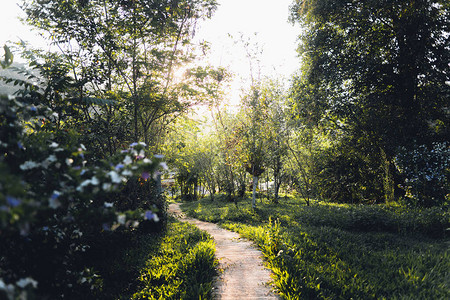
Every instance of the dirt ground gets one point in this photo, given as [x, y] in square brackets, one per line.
[243, 275]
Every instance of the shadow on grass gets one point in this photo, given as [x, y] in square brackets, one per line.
[119, 256]
[175, 263]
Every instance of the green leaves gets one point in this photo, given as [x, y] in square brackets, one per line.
[372, 73]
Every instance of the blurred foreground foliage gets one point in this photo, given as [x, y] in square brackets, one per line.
[58, 201]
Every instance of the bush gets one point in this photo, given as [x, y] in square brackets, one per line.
[426, 171]
[345, 175]
[55, 203]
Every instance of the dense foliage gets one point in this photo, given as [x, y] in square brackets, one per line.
[375, 73]
[55, 202]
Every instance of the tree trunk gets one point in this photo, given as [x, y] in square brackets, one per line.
[195, 189]
[255, 184]
[276, 189]
[158, 185]
[388, 181]
[211, 187]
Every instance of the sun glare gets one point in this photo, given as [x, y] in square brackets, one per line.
[179, 74]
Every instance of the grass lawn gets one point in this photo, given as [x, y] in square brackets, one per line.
[177, 263]
[331, 251]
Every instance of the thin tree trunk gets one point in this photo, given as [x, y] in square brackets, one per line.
[195, 189]
[388, 181]
[255, 184]
[158, 185]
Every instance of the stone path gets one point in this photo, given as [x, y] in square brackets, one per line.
[243, 276]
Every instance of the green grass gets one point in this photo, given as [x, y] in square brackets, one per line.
[329, 251]
[175, 263]
[183, 267]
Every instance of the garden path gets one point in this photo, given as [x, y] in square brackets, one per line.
[243, 274]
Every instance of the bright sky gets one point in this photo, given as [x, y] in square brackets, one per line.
[274, 35]
[267, 18]
[11, 29]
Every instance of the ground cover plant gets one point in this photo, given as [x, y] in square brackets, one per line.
[176, 262]
[182, 267]
[331, 251]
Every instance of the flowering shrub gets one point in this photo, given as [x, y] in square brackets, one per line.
[54, 202]
[426, 171]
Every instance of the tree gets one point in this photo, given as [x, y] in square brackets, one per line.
[231, 170]
[208, 161]
[126, 50]
[253, 142]
[277, 131]
[377, 72]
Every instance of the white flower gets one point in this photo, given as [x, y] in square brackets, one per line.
[164, 166]
[28, 165]
[54, 203]
[49, 160]
[9, 289]
[127, 173]
[83, 184]
[69, 161]
[115, 177]
[147, 161]
[108, 204]
[54, 145]
[83, 147]
[94, 181]
[106, 186]
[155, 218]
[127, 160]
[26, 281]
[158, 156]
[121, 219]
